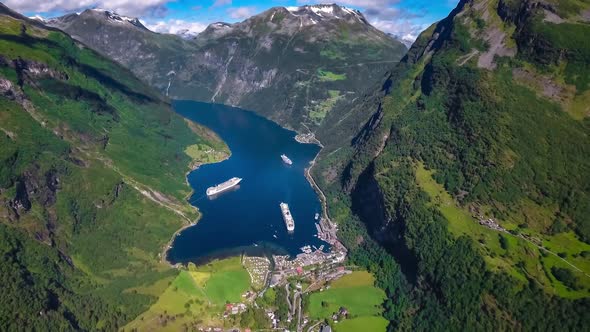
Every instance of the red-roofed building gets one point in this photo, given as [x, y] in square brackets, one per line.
[299, 270]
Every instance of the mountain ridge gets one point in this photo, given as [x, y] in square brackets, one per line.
[290, 66]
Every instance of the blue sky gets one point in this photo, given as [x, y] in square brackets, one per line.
[403, 18]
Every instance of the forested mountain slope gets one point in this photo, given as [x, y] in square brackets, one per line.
[92, 186]
[292, 65]
[474, 172]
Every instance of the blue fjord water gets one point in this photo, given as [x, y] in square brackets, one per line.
[237, 220]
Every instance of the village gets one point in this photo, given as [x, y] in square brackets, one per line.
[311, 270]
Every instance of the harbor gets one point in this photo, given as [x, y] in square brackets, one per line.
[286, 266]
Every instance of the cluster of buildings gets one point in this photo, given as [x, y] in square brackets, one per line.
[234, 309]
[273, 319]
[306, 138]
[327, 231]
[491, 223]
[285, 267]
[340, 315]
[258, 268]
[210, 329]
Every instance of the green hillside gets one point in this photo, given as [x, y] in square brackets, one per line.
[474, 172]
[92, 185]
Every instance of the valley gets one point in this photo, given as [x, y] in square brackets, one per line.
[440, 187]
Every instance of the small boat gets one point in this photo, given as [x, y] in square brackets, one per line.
[317, 215]
[274, 235]
[286, 160]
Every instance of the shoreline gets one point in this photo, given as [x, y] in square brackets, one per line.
[316, 187]
[168, 245]
[301, 138]
[310, 138]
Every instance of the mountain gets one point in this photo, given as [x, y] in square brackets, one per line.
[85, 206]
[474, 172]
[289, 64]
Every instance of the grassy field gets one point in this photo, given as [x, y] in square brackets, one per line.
[181, 303]
[357, 278]
[227, 286]
[204, 153]
[195, 296]
[369, 323]
[517, 257]
[357, 294]
[328, 76]
[319, 111]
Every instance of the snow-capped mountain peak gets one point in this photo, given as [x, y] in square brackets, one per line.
[114, 17]
[326, 11]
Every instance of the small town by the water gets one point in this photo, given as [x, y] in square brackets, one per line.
[312, 270]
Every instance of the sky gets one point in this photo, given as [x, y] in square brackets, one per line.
[403, 18]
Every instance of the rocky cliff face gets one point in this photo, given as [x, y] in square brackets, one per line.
[292, 65]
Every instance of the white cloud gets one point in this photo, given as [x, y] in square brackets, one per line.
[240, 13]
[404, 30]
[124, 7]
[175, 26]
[221, 3]
[47, 5]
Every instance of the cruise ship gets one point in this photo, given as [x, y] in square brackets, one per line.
[287, 217]
[223, 186]
[286, 159]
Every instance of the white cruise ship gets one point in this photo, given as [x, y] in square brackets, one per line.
[223, 186]
[286, 159]
[287, 217]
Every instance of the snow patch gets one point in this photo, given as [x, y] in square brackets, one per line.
[321, 9]
[220, 25]
[114, 17]
[325, 11]
[38, 18]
